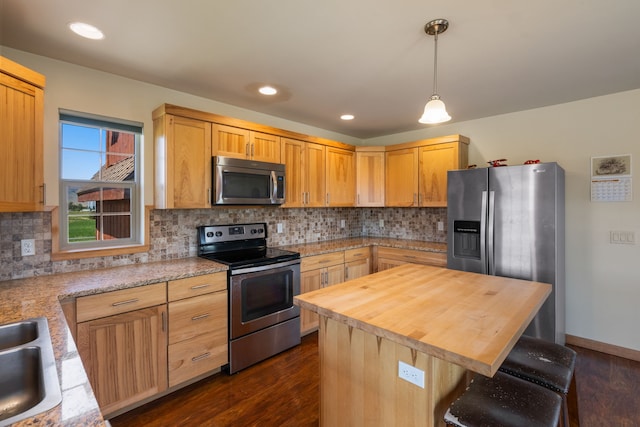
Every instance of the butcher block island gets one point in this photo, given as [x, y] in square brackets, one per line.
[446, 323]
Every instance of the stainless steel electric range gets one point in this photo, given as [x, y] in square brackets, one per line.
[262, 282]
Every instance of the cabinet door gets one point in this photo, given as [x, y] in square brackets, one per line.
[292, 157]
[314, 174]
[435, 161]
[355, 269]
[125, 356]
[385, 263]
[21, 133]
[188, 163]
[309, 281]
[341, 177]
[334, 275]
[230, 141]
[370, 172]
[264, 147]
[401, 186]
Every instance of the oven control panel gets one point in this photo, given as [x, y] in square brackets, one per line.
[228, 233]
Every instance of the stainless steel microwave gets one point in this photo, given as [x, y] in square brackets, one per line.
[247, 182]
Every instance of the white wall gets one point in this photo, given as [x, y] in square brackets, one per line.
[602, 289]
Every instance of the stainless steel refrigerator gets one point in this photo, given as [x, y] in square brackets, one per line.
[509, 221]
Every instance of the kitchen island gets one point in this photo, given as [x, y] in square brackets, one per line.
[445, 323]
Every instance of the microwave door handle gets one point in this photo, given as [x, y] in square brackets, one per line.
[274, 187]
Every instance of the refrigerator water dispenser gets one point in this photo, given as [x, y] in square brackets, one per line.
[466, 239]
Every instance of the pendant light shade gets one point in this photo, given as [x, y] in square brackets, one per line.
[435, 110]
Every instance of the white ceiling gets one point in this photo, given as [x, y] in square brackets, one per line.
[370, 58]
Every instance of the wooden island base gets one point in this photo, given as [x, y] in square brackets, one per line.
[360, 386]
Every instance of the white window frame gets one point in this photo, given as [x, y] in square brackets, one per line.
[135, 186]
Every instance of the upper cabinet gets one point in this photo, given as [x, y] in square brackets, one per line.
[370, 175]
[416, 173]
[341, 177]
[245, 144]
[21, 134]
[183, 161]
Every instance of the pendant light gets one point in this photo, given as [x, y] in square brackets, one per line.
[435, 111]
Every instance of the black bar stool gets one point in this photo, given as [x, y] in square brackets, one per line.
[504, 401]
[544, 363]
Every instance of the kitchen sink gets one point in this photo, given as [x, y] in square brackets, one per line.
[15, 334]
[27, 371]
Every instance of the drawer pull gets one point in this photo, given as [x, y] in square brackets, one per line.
[410, 256]
[202, 356]
[129, 301]
[206, 285]
[200, 316]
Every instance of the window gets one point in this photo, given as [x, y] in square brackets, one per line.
[100, 189]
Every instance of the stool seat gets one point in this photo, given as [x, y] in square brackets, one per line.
[504, 401]
[548, 364]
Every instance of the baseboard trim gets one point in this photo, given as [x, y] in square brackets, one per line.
[611, 349]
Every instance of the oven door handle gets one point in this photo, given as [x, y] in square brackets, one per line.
[254, 269]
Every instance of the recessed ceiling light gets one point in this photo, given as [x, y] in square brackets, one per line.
[347, 117]
[86, 30]
[268, 90]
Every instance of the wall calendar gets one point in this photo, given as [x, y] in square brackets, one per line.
[611, 178]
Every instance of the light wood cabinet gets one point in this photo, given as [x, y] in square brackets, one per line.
[341, 177]
[370, 176]
[357, 263]
[21, 134]
[124, 354]
[416, 173]
[183, 161]
[435, 161]
[387, 258]
[245, 144]
[401, 180]
[314, 175]
[317, 272]
[292, 155]
[198, 326]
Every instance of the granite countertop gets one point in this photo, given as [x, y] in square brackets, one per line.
[319, 248]
[32, 297]
[39, 297]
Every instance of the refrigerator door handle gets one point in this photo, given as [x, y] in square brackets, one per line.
[490, 234]
[483, 234]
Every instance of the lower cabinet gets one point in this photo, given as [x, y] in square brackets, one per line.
[387, 258]
[135, 346]
[124, 354]
[198, 334]
[357, 263]
[317, 272]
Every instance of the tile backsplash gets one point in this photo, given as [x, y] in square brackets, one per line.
[173, 234]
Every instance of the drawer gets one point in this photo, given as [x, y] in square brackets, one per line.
[437, 259]
[357, 254]
[320, 261]
[198, 315]
[197, 285]
[116, 302]
[197, 356]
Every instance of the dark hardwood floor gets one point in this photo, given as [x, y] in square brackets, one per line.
[284, 391]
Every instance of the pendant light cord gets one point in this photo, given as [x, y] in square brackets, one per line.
[435, 64]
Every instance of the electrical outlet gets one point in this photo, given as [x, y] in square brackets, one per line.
[440, 226]
[27, 247]
[343, 223]
[381, 223]
[279, 227]
[411, 374]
